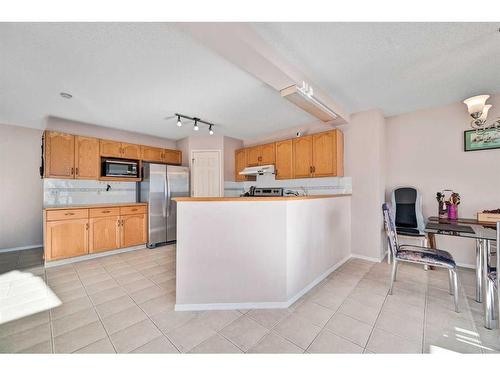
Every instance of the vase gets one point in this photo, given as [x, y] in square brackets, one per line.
[453, 212]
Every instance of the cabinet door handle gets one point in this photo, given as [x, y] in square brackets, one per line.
[106, 212]
[69, 213]
[118, 223]
[134, 209]
[76, 171]
[87, 226]
[72, 171]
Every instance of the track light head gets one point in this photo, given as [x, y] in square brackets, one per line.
[210, 131]
[196, 127]
[179, 123]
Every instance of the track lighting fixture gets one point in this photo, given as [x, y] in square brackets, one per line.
[197, 121]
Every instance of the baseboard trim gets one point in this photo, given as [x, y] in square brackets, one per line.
[55, 263]
[371, 259]
[261, 305]
[8, 250]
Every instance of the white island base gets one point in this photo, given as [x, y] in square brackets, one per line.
[247, 253]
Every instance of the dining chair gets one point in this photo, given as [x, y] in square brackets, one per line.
[490, 308]
[419, 255]
[408, 217]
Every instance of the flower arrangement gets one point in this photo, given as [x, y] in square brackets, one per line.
[448, 207]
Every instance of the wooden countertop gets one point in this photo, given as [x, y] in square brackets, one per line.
[96, 205]
[258, 199]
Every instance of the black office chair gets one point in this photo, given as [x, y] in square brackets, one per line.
[409, 220]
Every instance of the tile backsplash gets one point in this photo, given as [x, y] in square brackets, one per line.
[60, 192]
[303, 186]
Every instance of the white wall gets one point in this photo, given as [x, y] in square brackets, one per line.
[364, 139]
[425, 150]
[230, 146]
[20, 187]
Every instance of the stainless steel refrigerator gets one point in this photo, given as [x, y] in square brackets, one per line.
[160, 184]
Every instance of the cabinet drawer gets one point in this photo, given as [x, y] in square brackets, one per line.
[130, 210]
[53, 215]
[104, 211]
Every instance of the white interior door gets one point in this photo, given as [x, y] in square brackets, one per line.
[206, 170]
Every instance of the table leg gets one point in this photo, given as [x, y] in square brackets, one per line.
[432, 240]
[489, 303]
[479, 270]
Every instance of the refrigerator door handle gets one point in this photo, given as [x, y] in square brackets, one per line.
[165, 193]
[169, 197]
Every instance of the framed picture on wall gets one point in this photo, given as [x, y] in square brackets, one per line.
[484, 140]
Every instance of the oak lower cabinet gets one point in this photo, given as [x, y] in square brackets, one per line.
[133, 230]
[74, 232]
[66, 238]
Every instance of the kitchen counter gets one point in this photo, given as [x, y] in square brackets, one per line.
[240, 199]
[252, 252]
[95, 205]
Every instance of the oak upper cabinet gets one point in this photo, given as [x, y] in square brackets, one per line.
[111, 149]
[133, 229]
[172, 157]
[240, 163]
[260, 155]
[114, 149]
[328, 154]
[59, 155]
[66, 238]
[284, 159]
[152, 154]
[303, 157]
[131, 151]
[87, 163]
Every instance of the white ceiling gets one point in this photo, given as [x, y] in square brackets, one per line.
[397, 67]
[131, 76]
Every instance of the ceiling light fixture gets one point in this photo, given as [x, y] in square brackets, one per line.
[478, 110]
[303, 97]
[65, 95]
[197, 121]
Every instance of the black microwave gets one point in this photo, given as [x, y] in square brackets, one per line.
[120, 168]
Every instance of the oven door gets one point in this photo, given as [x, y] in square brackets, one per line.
[119, 168]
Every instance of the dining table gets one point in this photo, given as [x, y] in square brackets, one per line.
[484, 233]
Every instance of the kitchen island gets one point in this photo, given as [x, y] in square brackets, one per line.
[257, 252]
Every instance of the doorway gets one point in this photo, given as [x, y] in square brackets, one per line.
[206, 173]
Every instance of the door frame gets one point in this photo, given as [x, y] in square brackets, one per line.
[221, 169]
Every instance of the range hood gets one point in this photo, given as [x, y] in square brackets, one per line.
[260, 170]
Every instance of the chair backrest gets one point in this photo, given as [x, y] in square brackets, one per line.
[390, 230]
[407, 203]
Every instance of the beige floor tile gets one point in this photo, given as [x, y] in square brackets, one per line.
[274, 344]
[114, 306]
[137, 285]
[159, 304]
[216, 344]
[71, 307]
[135, 336]
[268, 317]
[123, 319]
[461, 343]
[24, 324]
[218, 319]
[100, 286]
[399, 306]
[79, 338]
[107, 295]
[384, 342]
[244, 332]
[143, 295]
[158, 345]
[298, 330]
[350, 329]
[73, 321]
[102, 346]
[163, 276]
[314, 313]
[168, 285]
[71, 295]
[26, 339]
[401, 325]
[68, 285]
[41, 348]
[89, 280]
[189, 335]
[129, 278]
[328, 299]
[360, 311]
[328, 342]
[170, 319]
